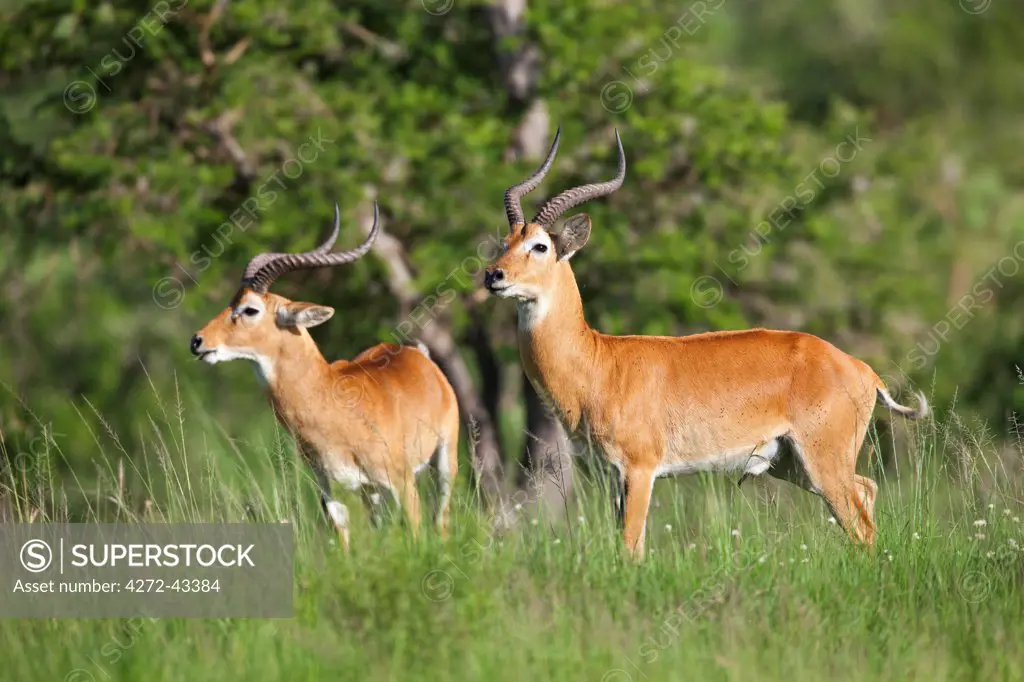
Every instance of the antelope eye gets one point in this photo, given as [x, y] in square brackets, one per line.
[540, 248]
[251, 312]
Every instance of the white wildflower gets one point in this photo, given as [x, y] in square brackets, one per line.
[991, 506]
[803, 547]
[889, 557]
[1013, 543]
[1016, 519]
[981, 523]
[533, 522]
[916, 535]
[557, 541]
[832, 520]
[764, 557]
[735, 532]
[1006, 512]
[518, 507]
[979, 536]
[581, 519]
[804, 560]
[989, 555]
[668, 527]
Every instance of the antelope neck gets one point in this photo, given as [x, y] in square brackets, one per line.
[558, 347]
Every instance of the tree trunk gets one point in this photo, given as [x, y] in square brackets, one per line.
[487, 362]
[520, 68]
[547, 456]
[546, 461]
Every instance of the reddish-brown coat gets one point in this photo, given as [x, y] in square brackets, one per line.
[380, 416]
[661, 404]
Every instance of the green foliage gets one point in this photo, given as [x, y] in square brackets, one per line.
[118, 197]
[847, 167]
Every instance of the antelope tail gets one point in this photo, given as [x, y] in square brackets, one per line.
[909, 412]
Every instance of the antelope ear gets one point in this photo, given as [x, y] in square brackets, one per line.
[303, 314]
[573, 236]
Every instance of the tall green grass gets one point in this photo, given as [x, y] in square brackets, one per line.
[751, 583]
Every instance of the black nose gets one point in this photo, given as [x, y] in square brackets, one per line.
[196, 342]
[492, 276]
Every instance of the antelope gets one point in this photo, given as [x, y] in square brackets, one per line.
[370, 424]
[758, 401]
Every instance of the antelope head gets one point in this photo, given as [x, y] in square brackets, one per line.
[260, 326]
[533, 255]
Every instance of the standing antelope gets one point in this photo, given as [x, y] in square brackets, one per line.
[779, 402]
[373, 422]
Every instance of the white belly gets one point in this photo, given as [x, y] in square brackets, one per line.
[348, 476]
[351, 477]
[752, 459]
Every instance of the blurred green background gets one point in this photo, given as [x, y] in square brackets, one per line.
[849, 168]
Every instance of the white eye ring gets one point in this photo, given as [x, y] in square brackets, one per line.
[245, 311]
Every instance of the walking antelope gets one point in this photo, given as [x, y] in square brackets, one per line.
[752, 402]
[369, 423]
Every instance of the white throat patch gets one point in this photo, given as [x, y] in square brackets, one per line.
[263, 363]
[532, 312]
